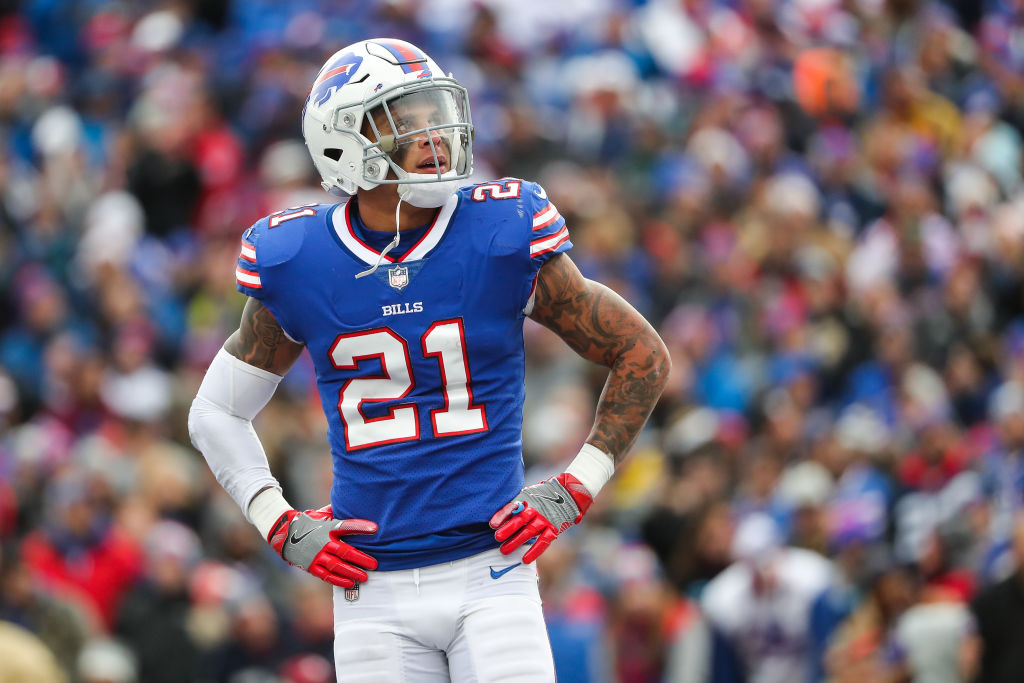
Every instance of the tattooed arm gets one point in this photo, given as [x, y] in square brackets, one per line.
[602, 327]
[241, 379]
[260, 341]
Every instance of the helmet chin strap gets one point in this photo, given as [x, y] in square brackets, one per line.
[335, 190]
[391, 245]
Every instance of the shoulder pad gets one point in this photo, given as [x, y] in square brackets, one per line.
[527, 196]
[278, 237]
[535, 198]
[496, 190]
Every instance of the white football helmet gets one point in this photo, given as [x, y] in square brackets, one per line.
[370, 104]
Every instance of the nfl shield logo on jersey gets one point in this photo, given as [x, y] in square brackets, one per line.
[352, 594]
[398, 277]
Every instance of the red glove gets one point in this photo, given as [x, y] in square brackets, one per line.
[311, 540]
[321, 513]
[541, 511]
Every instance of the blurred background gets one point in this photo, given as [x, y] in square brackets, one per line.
[818, 203]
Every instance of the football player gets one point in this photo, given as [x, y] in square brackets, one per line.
[410, 293]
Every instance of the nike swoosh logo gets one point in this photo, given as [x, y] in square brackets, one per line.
[506, 570]
[557, 501]
[296, 539]
[541, 193]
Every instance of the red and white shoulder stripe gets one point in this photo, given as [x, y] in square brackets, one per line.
[549, 231]
[248, 252]
[551, 243]
[248, 278]
[245, 274]
[545, 217]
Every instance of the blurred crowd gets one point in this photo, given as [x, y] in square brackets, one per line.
[818, 203]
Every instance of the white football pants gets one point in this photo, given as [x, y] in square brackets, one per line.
[473, 620]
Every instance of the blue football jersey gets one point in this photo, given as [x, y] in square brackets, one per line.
[420, 365]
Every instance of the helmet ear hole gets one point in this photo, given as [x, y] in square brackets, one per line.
[332, 153]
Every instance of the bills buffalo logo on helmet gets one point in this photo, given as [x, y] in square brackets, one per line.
[332, 77]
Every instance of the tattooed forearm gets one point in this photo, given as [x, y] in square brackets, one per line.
[261, 342]
[629, 395]
[602, 327]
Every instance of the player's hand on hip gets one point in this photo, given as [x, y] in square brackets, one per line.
[312, 541]
[541, 512]
[321, 513]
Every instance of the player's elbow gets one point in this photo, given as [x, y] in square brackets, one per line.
[661, 362]
[646, 359]
[195, 420]
[200, 416]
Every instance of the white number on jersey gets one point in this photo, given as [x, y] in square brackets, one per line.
[504, 189]
[444, 340]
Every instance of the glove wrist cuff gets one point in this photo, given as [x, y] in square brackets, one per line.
[579, 494]
[592, 467]
[266, 508]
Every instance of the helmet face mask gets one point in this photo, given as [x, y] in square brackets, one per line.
[375, 103]
[431, 114]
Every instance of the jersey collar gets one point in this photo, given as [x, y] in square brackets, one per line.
[346, 233]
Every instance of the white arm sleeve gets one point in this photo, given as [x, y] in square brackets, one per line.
[220, 424]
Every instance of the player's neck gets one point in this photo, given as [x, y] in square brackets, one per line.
[377, 210]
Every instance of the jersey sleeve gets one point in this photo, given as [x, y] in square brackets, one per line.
[247, 270]
[264, 270]
[550, 235]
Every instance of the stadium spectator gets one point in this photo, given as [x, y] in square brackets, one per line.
[60, 626]
[998, 611]
[24, 658]
[152, 619]
[79, 553]
[761, 604]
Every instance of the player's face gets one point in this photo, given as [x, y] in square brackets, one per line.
[422, 144]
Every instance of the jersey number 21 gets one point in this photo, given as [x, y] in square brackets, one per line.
[445, 341]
